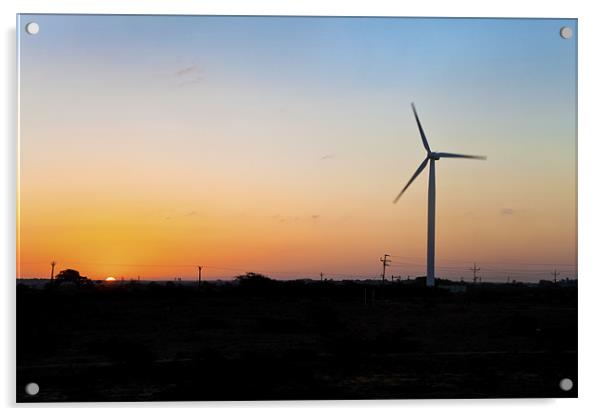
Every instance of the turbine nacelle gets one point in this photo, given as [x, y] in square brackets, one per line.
[439, 155]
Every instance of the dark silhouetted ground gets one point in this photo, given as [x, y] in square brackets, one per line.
[294, 340]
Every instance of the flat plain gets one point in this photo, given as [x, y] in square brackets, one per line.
[296, 340]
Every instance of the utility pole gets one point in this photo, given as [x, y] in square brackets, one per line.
[52, 270]
[474, 270]
[386, 262]
[555, 274]
[200, 276]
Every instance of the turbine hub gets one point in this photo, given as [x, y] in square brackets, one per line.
[434, 156]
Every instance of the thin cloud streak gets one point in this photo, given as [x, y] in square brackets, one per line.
[187, 70]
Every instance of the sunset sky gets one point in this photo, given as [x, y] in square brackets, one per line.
[150, 145]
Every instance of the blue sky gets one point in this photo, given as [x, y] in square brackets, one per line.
[234, 110]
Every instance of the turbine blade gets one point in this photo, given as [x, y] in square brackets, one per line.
[459, 156]
[414, 176]
[424, 141]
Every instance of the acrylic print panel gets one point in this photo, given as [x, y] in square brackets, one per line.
[217, 208]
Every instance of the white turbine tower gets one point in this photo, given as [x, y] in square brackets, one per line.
[430, 157]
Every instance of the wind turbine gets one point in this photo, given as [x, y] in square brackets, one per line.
[431, 157]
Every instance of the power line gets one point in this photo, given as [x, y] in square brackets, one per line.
[489, 262]
[392, 263]
[555, 274]
[451, 270]
[386, 262]
[460, 268]
[474, 270]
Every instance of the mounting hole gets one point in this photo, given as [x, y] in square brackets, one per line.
[32, 28]
[566, 384]
[32, 389]
[566, 32]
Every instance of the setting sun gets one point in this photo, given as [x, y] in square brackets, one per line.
[110, 279]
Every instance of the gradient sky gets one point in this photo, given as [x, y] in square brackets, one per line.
[149, 145]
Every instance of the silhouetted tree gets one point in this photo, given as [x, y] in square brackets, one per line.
[71, 276]
[253, 279]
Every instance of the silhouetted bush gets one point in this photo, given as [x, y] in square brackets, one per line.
[253, 279]
[71, 276]
[256, 284]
